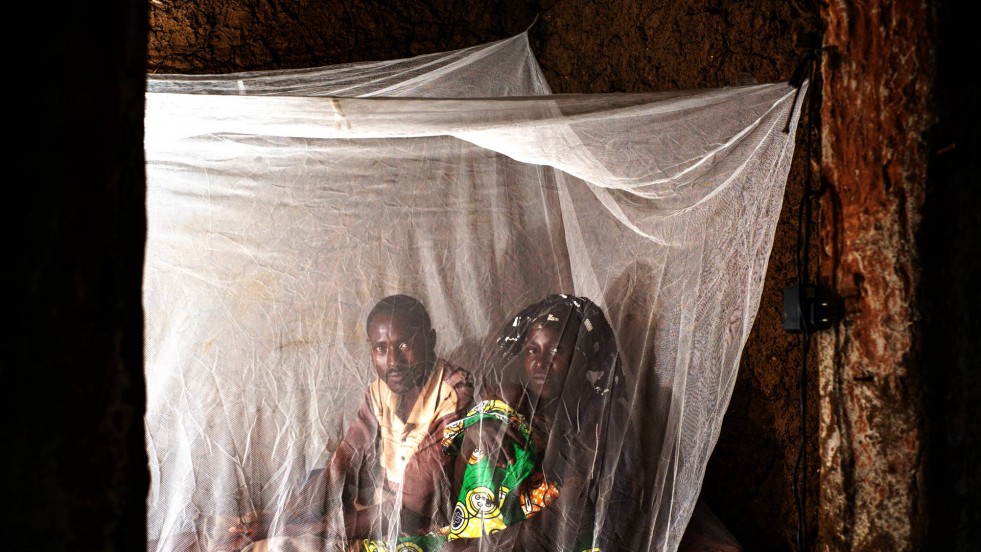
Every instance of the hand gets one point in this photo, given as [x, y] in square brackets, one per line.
[233, 533]
[228, 541]
[493, 437]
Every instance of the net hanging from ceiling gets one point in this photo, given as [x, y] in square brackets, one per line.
[570, 281]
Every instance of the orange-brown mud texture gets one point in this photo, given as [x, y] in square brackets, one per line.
[583, 46]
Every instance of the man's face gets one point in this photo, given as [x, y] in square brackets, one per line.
[547, 357]
[402, 350]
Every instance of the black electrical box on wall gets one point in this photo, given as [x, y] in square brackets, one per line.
[808, 307]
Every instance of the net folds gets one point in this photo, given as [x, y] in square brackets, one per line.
[426, 304]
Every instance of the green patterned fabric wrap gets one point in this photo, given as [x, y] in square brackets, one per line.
[491, 497]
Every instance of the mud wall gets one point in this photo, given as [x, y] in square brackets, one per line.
[583, 46]
[878, 83]
[899, 385]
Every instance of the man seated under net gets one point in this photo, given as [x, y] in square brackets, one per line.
[388, 476]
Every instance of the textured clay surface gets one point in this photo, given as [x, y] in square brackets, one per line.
[878, 84]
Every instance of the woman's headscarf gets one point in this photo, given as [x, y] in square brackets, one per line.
[595, 369]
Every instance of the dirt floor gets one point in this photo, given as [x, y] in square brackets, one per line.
[583, 46]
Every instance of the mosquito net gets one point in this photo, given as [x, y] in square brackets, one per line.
[426, 304]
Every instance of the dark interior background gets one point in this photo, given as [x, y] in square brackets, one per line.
[950, 295]
[75, 462]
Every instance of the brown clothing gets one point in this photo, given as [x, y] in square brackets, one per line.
[382, 457]
[441, 401]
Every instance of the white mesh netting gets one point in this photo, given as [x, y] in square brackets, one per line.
[284, 205]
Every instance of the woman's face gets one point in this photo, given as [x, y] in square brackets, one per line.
[547, 357]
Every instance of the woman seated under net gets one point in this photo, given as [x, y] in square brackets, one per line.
[546, 459]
